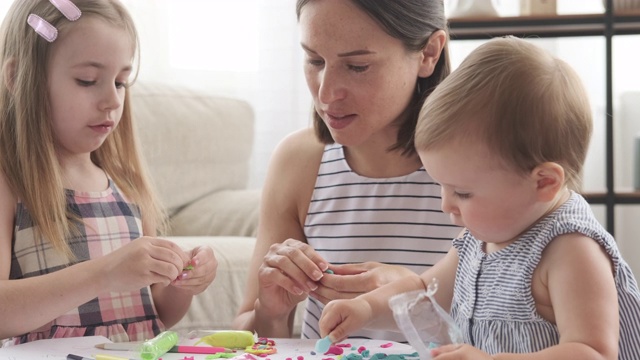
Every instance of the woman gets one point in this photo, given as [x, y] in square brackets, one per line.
[349, 195]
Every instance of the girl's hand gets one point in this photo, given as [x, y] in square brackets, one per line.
[199, 272]
[351, 280]
[342, 317]
[142, 262]
[459, 352]
[289, 272]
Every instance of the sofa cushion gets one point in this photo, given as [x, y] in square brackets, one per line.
[223, 213]
[194, 143]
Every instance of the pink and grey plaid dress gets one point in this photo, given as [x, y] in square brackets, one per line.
[109, 222]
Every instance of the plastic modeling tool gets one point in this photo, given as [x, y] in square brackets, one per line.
[184, 349]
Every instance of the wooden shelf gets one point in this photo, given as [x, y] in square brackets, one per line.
[621, 198]
[605, 25]
[626, 22]
[543, 26]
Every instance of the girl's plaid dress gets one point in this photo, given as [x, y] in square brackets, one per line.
[109, 222]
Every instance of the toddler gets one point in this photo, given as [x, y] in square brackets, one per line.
[533, 275]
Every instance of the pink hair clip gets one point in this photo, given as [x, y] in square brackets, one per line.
[42, 27]
[67, 8]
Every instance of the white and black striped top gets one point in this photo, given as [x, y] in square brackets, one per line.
[353, 219]
[492, 300]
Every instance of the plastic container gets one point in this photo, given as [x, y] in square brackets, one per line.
[423, 322]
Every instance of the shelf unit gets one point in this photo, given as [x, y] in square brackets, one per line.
[608, 24]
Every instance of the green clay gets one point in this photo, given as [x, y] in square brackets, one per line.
[159, 345]
[221, 356]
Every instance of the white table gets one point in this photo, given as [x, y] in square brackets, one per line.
[57, 349]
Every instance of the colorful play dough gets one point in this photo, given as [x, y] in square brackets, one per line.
[262, 347]
[334, 350]
[323, 345]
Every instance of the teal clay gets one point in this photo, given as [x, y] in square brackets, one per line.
[323, 345]
[353, 356]
[380, 356]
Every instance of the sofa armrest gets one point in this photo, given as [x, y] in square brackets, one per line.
[216, 307]
[222, 213]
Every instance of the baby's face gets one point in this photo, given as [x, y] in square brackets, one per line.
[496, 203]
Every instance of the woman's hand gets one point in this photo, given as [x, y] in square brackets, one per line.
[351, 280]
[289, 272]
[199, 271]
[459, 352]
[142, 262]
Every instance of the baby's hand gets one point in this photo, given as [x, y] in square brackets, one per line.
[199, 271]
[342, 317]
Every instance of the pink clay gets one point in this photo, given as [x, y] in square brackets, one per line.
[334, 350]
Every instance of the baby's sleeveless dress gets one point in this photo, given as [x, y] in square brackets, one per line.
[492, 301]
[353, 218]
[109, 222]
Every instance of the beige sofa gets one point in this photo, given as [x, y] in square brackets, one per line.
[198, 149]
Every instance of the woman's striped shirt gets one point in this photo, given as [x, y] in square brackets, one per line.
[492, 301]
[353, 219]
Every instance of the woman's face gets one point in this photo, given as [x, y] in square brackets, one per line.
[361, 78]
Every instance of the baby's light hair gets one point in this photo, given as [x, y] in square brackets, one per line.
[27, 155]
[527, 106]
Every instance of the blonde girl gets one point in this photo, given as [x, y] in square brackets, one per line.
[78, 217]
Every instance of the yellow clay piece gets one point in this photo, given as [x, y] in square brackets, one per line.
[233, 339]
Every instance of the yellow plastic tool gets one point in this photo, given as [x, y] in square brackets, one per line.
[233, 339]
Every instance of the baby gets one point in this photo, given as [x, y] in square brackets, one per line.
[533, 275]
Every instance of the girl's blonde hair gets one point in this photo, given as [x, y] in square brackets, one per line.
[27, 153]
[527, 106]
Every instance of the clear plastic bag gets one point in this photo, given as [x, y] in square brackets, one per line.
[423, 322]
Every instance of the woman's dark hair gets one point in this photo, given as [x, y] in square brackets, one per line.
[412, 22]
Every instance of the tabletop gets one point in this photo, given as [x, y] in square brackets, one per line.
[287, 349]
